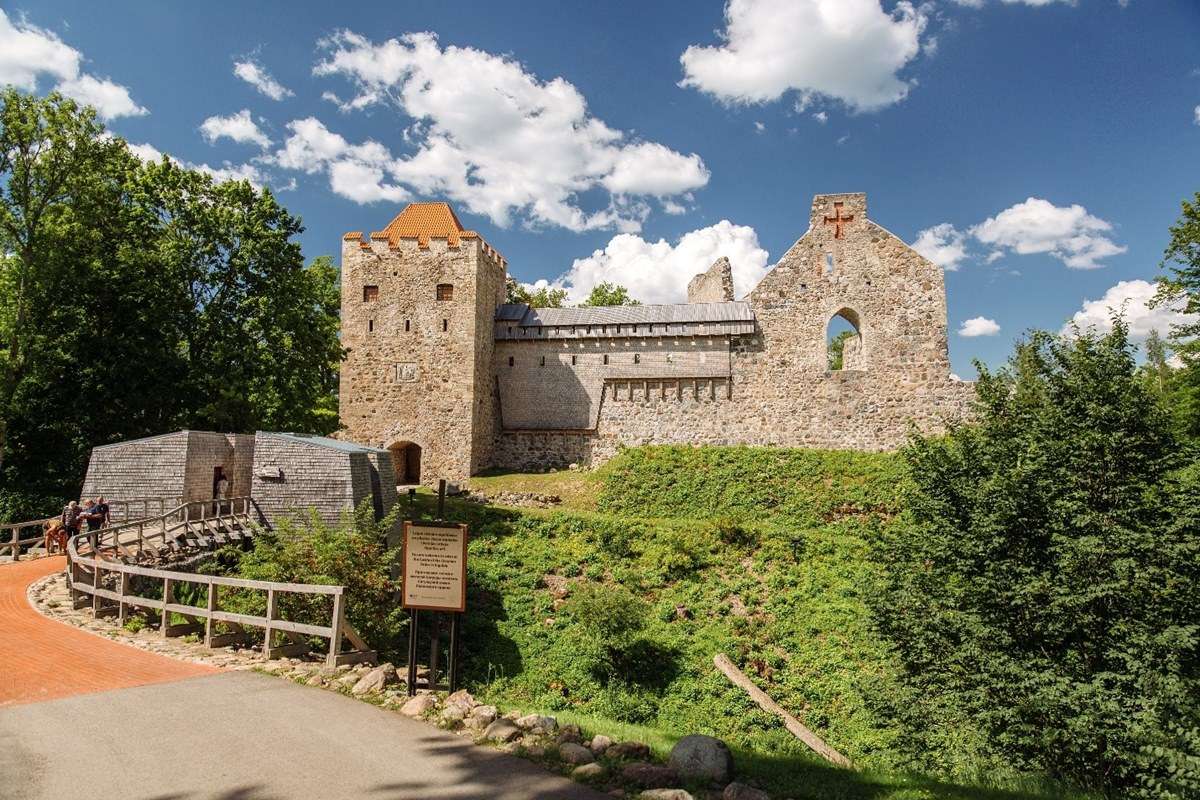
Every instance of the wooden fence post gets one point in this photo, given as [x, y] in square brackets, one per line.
[121, 607]
[268, 640]
[335, 641]
[16, 548]
[208, 621]
[164, 622]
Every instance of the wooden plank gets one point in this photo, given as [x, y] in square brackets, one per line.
[300, 627]
[814, 742]
[356, 657]
[337, 625]
[194, 611]
[268, 638]
[211, 607]
[239, 619]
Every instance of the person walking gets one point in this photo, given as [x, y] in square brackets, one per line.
[96, 516]
[71, 518]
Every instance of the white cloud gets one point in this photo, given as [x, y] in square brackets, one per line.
[847, 50]
[225, 172]
[759, 127]
[497, 139]
[821, 117]
[979, 326]
[979, 3]
[146, 152]
[356, 171]
[1132, 299]
[254, 74]
[658, 272]
[1196, 115]
[239, 127]
[1069, 233]
[28, 52]
[942, 244]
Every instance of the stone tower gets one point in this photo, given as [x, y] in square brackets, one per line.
[418, 302]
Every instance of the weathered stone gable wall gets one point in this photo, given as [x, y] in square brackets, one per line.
[781, 391]
[419, 368]
[151, 467]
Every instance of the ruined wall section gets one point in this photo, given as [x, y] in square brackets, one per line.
[781, 391]
[419, 367]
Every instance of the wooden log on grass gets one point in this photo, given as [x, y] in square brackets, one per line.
[814, 742]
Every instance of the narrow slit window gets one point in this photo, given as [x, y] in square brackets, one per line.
[445, 325]
[370, 326]
[445, 291]
[510, 361]
[370, 294]
[606, 358]
[573, 358]
[407, 325]
[543, 361]
[637, 358]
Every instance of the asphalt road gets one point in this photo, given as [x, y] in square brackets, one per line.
[245, 736]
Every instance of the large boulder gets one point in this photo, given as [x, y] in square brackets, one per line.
[375, 680]
[418, 706]
[573, 753]
[665, 794]
[600, 743]
[486, 714]
[502, 730]
[588, 772]
[740, 791]
[650, 776]
[699, 757]
[536, 723]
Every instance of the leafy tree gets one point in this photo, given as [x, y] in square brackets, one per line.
[837, 349]
[137, 298]
[1048, 590]
[609, 294]
[542, 297]
[1182, 284]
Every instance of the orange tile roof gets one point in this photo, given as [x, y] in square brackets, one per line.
[422, 221]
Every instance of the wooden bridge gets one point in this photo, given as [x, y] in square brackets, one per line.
[111, 577]
[18, 538]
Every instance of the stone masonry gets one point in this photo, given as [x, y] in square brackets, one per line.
[173, 465]
[513, 387]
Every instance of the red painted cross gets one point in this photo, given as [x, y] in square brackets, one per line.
[837, 220]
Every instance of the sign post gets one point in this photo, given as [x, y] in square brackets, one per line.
[434, 576]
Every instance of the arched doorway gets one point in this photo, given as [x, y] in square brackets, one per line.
[406, 459]
[843, 341]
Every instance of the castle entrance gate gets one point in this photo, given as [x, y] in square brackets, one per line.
[406, 459]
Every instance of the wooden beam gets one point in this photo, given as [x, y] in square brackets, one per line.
[814, 742]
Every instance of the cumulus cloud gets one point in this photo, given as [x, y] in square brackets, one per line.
[849, 50]
[356, 171]
[1132, 299]
[254, 74]
[1196, 115]
[658, 272]
[979, 326]
[28, 52]
[239, 127]
[505, 144]
[225, 172]
[942, 244]
[1069, 233]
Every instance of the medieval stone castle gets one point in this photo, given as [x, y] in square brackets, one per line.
[452, 380]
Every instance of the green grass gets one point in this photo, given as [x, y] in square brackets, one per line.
[765, 554]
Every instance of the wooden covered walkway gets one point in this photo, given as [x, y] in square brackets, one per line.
[42, 659]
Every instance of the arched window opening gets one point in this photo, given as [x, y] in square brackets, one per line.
[445, 291]
[843, 342]
[406, 461]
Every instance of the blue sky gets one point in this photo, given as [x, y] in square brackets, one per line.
[1037, 149]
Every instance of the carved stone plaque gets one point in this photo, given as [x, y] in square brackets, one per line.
[406, 372]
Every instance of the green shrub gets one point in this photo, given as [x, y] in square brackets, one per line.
[351, 554]
[1049, 592]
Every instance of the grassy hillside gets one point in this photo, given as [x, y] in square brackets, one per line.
[761, 554]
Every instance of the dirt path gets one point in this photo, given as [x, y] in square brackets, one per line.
[41, 659]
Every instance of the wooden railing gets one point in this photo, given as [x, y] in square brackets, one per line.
[152, 535]
[91, 574]
[18, 536]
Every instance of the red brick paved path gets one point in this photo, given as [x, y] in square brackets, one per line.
[42, 659]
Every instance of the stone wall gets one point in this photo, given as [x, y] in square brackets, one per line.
[419, 368]
[780, 390]
[713, 286]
